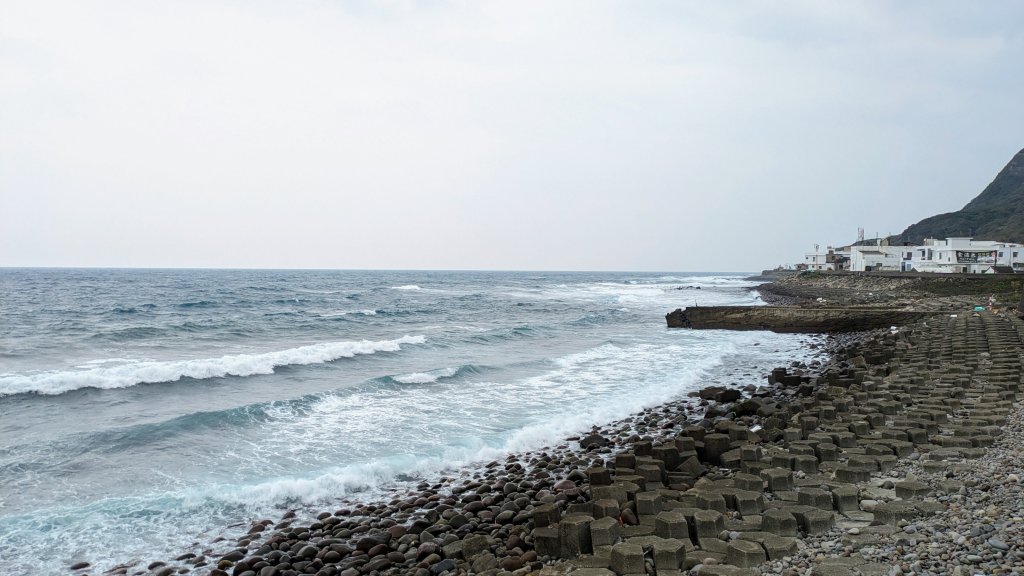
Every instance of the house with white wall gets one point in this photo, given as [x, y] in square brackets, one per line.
[816, 261]
[1010, 254]
[965, 255]
[949, 256]
[876, 258]
[829, 259]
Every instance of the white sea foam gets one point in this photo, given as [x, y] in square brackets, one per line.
[448, 327]
[367, 312]
[617, 294]
[710, 281]
[327, 486]
[407, 287]
[602, 384]
[490, 421]
[132, 373]
[426, 377]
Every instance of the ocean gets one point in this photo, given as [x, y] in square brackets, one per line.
[145, 411]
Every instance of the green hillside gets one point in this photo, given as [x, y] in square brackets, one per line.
[996, 214]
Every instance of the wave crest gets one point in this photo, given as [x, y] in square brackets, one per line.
[341, 313]
[151, 372]
[432, 376]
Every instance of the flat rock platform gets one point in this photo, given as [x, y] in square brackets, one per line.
[790, 319]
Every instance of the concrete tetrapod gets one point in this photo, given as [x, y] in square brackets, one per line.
[745, 554]
[669, 554]
[627, 559]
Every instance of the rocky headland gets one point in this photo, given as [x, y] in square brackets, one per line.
[897, 451]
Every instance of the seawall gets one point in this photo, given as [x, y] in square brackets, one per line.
[789, 319]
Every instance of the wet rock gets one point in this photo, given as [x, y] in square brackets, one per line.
[593, 441]
[628, 517]
[511, 563]
[720, 394]
[365, 543]
[484, 562]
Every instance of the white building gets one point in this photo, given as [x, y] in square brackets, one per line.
[949, 256]
[1010, 254]
[831, 259]
[876, 258]
[816, 261]
[964, 255]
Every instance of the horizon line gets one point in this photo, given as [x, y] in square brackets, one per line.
[271, 269]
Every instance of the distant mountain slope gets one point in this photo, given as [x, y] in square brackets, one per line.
[996, 214]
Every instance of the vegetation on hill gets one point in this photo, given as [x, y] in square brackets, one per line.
[996, 214]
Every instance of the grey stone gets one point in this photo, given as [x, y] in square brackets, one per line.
[604, 531]
[574, 536]
[627, 559]
[779, 522]
[671, 525]
[669, 554]
[745, 554]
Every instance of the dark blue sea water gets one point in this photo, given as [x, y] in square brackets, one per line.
[144, 410]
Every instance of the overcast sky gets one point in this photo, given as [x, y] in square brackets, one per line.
[508, 135]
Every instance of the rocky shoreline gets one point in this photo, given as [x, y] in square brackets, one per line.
[912, 291]
[896, 453]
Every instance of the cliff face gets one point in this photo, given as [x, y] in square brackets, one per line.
[996, 214]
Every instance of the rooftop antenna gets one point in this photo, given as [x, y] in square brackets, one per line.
[860, 234]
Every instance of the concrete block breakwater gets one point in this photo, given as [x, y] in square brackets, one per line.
[804, 475]
[789, 319]
[735, 499]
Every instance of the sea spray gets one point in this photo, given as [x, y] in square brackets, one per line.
[150, 372]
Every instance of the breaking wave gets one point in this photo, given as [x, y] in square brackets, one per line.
[151, 372]
[432, 376]
[341, 313]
